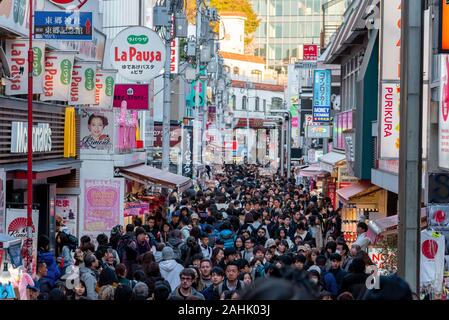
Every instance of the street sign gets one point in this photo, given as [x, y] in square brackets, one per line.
[60, 25]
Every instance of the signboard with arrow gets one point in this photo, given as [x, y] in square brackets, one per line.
[60, 25]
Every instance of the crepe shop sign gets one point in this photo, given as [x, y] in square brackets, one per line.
[138, 53]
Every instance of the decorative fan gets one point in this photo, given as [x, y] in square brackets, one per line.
[18, 224]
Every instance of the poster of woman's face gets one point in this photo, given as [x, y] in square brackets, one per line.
[96, 130]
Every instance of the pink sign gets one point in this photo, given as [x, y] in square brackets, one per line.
[101, 205]
[136, 96]
[295, 121]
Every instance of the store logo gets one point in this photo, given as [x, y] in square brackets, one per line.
[66, 67]
[109, 86]
[142, 39]
[90, 79]
[41, 137]
[37, 65]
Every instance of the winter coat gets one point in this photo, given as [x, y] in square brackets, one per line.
[142, 247]
[175, 244]
[175, 294]
[90, 279]
[228, 237]
[355, 283]
[185, 232]
[170, 271]
[329, 282]
[53, 272]
[339, 275]
[211, 293]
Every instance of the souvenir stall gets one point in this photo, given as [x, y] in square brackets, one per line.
[11, 266]
[312, 177]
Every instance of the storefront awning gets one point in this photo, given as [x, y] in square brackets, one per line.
[154, 176]
[356, 190]
[312, 171]
[330, 160]
[42, 169]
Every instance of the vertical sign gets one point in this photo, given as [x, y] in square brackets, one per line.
[444, 27]
[66, 208]
[332, 192]
[322, 95]
[310, 52]
[187, 152]
[58, 76]
[389, 121]
[2, 201]
[17, 55]
[104, 88]
[82, 88]
[443, 122]
[174, 56]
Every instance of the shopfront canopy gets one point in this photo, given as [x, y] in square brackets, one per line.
[330, 160]
[150, 175]
[356, 190]
[312, 171]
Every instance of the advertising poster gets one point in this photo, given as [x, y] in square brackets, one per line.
[389, 122]
[322, 95]
[96, 131]
[2, 201]
[58, 76]
[102, 205]
[104, 88]
[16, 224]
[66, 208]
[135, 95]
[17, 55]
[138, 53]
[443, 121]
[82, 89]
[136, 209]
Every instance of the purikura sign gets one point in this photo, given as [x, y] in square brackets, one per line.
[58, 76]
[138, 53]
[102, 204]
[82, 89]
[104, 88]
[389, 142]
[17, 56]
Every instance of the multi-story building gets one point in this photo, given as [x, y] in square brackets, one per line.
[286, 25]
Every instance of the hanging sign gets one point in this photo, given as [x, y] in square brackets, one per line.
[310, 52]
[389, 122]
[58, 76]
[2, 201]
[444, 27]
[82, 89]
[187, 152]
[318, 132]
[17, 55]
[443, 123]
[174, 56]
[104, 88]
[138, 53]
[61, 25]
[322, 95]
[135, 95]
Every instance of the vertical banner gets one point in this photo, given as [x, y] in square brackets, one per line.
[187, 151]
[16, 224]
[443, 122]
[443, 31]
[97, 129]
[389, 122]
[66, 208]
[102, 205]
[322, 95]
[58, 76]
[82, 88]
[17, 56]
[104, 88]
[174, 56]
[2, 201]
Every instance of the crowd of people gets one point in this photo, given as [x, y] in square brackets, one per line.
[248, 237]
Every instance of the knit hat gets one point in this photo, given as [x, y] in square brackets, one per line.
[270, 243]
[194, 216]
[168, 254]
[316, 268]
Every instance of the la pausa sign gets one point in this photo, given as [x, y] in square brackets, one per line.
[41, 137]
[138, 53]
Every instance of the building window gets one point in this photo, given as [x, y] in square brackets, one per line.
[244, 103]
[264, 105]
[234, 102]
[257, 74]
[256, 106]
[236, 70]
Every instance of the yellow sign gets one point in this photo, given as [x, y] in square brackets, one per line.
[444, 27]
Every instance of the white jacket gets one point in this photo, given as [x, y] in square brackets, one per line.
[170, 271]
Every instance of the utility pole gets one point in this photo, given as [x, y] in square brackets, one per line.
[410, 155]
[196, 113]
[167, 95]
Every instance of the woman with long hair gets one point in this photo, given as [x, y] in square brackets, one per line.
[165, 231]
[311, 258]
[217, 256]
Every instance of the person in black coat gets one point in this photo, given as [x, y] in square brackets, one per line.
[212, 292]
[336, 270]
[355, 281]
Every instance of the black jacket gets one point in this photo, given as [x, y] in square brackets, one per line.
[211, 293]
[355, 284]
[339, 275]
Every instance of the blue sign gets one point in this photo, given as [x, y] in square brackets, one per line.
[322, 95]
[61, 25]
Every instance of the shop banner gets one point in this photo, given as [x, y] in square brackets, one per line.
[136, 209]
[82, 89]
[135, 95]
[17, 56]
[138, 53]
[102, 205]
[389, 122]
[443, 122]
[174, 56]
[13, 15]
[310, 52]
[318, 132]
[438, 216]
[97, 129]
[432, 260]
[383, 259]
[391, 40]
[58, 76]
[332, 192]
[187, 151]
[104, 88]
[16, 225]
[66, 208]
[2, 201]
[322, 95]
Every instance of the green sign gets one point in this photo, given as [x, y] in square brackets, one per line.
[109, 86]
[66, 71]
[90, 79]
[142, 39]
[37, 65]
